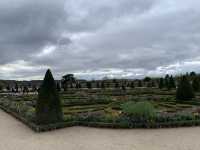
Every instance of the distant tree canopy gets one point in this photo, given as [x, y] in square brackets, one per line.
[68, 79]
[48, 107]
[185, 90]
[147, 79]
[192, 73]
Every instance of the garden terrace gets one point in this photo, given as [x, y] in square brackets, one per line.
[103, 108]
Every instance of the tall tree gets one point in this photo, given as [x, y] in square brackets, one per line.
[116, 84]
[171, 83]
[132, 84]
[167, 81]
[140, 83]
[97, 85]
[184, 90]
[196, 84]
[68, 79]
[48, 107]
[161, 83]
[102, 85]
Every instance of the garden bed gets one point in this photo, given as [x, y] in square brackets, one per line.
[78, 112]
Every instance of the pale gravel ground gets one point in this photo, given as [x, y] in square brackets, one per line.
[16, 136]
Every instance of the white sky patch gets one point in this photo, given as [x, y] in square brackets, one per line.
[13, 70]
[46, 51]
[174, 69]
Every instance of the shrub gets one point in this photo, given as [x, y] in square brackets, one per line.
[139, 110]
[185, 90]
[196, 84]
[48, 107]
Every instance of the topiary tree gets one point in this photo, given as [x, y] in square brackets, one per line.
[184, 90]
[48, 107]
[116, 84]
[89, 85]
[161, 83]
[132, 85]
[140, 83]
[166, 80]
[196, 84]
[171, 83]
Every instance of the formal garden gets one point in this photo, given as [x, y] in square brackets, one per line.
[136, 107]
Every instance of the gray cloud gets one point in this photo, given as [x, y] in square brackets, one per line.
[94, 39]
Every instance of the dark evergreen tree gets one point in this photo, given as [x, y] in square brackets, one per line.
[102, 85]
[98, 85]
[140, 83]
[123, 87]
[89, 85]
[8, 88]
[193, 73]
[196, 84]
[132, 85]
[48, 107]
[12, 90]
[147, 79]
[167, 81]
[171, 83]
[68, 79]
[161, 83]
[184, 90]
[116, 84]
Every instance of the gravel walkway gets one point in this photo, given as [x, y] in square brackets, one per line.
[16, 136]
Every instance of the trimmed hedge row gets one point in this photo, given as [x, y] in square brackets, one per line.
[35, 127]
[42, 128]
[99, 124]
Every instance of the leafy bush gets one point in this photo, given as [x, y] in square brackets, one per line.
[139, 110]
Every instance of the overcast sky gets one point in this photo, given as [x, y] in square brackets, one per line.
[93, 39]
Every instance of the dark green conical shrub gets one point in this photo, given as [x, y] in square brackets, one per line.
[48, 107]
[184, 90]
[161, 83]
[171, 83]
[196, 84]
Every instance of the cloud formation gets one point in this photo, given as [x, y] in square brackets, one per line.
[124, 38]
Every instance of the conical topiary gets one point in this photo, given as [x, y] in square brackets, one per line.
[196, 84]
[185, 90]
[48, 107]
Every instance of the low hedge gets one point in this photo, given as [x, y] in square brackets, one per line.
[123, 122]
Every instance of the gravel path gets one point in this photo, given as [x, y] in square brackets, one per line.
[16, 136]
